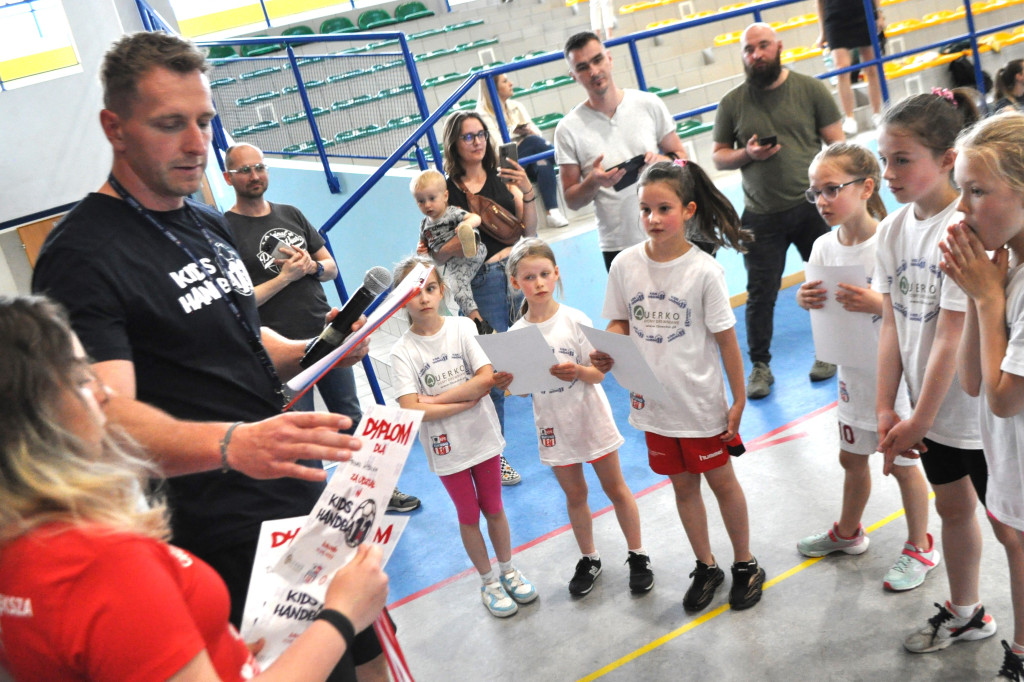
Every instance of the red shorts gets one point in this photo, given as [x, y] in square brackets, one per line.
[668, 455]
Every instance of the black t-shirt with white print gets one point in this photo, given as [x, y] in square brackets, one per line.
[132, 294]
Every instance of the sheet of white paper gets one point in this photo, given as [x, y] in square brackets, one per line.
[840, 336]
[395, 300]
[348, 513]
[275, 538]
[526, 355]
[630, 369]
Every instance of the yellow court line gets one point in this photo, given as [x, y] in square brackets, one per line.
[666, 638]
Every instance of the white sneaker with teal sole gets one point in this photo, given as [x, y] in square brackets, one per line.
[910, 569]
[497, 601]
[518, 587]
[831, 541]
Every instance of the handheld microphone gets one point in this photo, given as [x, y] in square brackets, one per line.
[377, 279]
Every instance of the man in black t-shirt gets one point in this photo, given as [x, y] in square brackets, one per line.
[287, 260]
[164, 307]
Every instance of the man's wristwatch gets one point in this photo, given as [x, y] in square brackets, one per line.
[319, 270]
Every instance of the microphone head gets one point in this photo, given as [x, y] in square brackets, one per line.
[377, 280]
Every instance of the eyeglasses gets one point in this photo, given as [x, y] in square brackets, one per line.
[830, 192]
[245, 170]
[478, 135]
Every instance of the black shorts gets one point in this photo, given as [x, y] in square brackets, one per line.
[234, 565]
[946, 464]
[846, 24]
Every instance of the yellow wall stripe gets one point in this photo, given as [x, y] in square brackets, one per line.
[252, 14]
[41, 62]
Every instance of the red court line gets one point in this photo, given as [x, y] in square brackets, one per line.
[761, 441]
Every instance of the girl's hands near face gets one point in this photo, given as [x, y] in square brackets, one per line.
[965, 261]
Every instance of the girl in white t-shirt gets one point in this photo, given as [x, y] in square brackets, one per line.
[574, 421]
[922, 317]
[844, 186]
[671, 299]
[989, 169]
[441, 369]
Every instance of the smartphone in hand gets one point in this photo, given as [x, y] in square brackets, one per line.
[506, 152]
[768, 141]
[632, 168]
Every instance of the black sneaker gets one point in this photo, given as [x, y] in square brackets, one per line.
[483, 327]
[747, 584]
[1013, 666]
[402, 503]
[641, 577]
[582, 582]
[706, 580]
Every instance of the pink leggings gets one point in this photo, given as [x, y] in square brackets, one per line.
[475, 489]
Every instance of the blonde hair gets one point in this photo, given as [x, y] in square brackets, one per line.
[426, 179]
[47, 473]
[859, 162]
[999, 142]
[407, 264]
[531, 247]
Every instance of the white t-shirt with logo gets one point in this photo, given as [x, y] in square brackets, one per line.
[1004, 438]
[430, 365]
[574, 421]
[857, 385]
[674, 309]
[907, 260]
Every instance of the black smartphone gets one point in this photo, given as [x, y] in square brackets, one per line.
[505, 152]
[769, 141]
[632, 168]
[278, 253]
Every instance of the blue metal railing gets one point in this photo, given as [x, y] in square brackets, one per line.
[430, 119]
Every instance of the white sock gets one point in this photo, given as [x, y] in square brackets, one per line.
[504, 567]
[596, 556]
[640, 551]
[488, 577]
[964, 611]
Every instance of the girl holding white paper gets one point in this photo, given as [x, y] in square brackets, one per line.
[74, 526]
[671, 300]
[441, 370]
[844, 181]
[574, 422]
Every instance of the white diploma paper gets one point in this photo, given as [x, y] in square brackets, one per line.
[840, 336]
[630, 369]
[348, 513]
[526, 355]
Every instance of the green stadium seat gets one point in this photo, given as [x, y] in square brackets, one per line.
[222, 52]
[464, 24]
[259, 72]
[338, 25]
[691, 127]
[412, 10]
[221, 82]
[662, 92]
[260, 50]
[348, 75]
[425, 34]
[253, 99]
[375, 18]
[298, 31]
[547, 120]
[465, 105]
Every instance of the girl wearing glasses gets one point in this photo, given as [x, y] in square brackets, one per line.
[470, 162]
[844, 188]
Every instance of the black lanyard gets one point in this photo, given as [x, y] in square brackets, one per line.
[222, 268]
